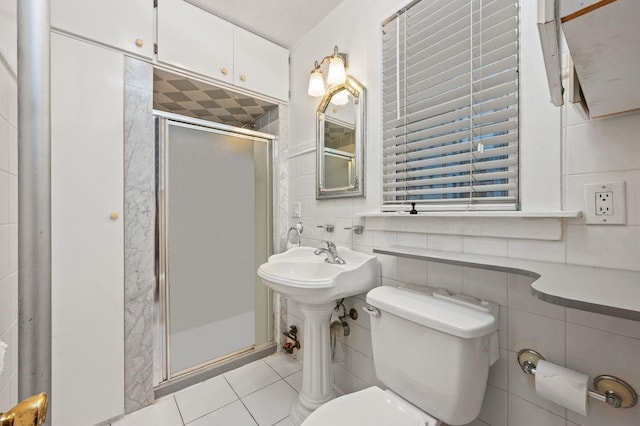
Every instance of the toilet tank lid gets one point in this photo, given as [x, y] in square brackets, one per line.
[446, 315]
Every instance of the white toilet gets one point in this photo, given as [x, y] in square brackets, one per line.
[433, 352]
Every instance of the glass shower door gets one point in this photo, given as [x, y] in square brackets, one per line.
[216, 228]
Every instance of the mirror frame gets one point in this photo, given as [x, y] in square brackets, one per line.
[358, 92]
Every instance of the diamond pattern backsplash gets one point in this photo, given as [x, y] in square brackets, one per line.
[181, 95]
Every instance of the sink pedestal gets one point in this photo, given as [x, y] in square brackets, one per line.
[317, 377]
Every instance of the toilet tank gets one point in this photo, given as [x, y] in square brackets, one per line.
[432, 351]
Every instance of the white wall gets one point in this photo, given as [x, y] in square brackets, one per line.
[559, 153]
[9, 203]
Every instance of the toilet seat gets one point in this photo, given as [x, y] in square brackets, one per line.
[372, 406]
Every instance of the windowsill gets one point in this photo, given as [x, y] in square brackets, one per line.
[534, 225]
[480, 214]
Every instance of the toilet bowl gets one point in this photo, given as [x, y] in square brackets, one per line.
[432, 351]
[371, 406]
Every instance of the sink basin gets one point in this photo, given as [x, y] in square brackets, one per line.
[307, 278]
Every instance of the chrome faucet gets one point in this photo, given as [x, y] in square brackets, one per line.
[332, 253]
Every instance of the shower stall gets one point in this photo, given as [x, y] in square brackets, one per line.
[214, 203]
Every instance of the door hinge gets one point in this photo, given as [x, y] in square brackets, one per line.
[155, 48]
[155, 3]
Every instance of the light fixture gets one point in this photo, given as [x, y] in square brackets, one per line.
[316, 83]
[340, 98]
[336, 75]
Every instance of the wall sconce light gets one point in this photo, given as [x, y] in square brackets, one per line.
[340, 98]
[336, 75]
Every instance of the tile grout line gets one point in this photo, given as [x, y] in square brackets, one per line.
[241, 401]
[175, 401]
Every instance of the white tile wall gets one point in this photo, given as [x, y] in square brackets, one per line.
[593, 151]
[8, 205]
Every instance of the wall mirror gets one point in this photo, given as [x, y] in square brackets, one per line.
[340, 141]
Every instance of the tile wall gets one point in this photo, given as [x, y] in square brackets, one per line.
[577, 339]
[584, 152]
[8, 203]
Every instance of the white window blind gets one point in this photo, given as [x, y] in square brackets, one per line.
[450, 105]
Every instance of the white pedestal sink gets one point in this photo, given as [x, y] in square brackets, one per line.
[316, 285]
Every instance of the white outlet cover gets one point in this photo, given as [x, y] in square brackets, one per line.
[619, 216]
[296, 209]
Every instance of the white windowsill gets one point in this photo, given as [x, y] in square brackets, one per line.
[533, 225]
[483, 214]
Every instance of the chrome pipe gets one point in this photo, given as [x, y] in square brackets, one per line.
[34, 198]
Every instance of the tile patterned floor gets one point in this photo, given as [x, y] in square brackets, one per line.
[260, 394]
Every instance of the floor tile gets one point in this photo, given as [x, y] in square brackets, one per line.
[233, 414]
[203, 398]
[164, 412]
[271, 404]
[251, 377]
[284, 365]
[295, 380]
[285, 422]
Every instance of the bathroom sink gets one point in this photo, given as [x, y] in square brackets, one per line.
[307, 278]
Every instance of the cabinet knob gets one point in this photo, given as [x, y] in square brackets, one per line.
[114, 216]
[224, 71]
[243, 77]
[139, 42]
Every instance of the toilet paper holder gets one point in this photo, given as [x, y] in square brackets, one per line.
[609, 389]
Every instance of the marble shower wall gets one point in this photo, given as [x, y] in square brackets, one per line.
[139, 220]
[276, 122]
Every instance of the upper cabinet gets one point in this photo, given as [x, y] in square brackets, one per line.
[124, 24]
[195, 40]
[603, 38]
[260, 65]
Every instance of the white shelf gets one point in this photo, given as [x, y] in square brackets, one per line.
[614, 292]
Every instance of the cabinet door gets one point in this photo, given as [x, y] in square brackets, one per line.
[87, 243]
[124, 24]
[260, 65]
[190, 38]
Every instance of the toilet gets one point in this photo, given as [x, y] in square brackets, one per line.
[431, 351]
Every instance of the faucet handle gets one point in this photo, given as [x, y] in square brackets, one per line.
[330, 245]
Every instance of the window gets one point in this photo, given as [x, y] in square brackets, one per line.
[450, 105]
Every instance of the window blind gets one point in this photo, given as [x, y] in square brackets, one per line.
[450, 105]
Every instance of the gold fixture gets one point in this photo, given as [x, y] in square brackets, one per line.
[139, 42]
[335, 76]
[224, 71]
[114, 216]
[30, 412]
[243, 77]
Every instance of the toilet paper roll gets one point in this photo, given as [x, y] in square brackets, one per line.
[563, 386]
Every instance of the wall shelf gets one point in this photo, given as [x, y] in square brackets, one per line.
[613, 292]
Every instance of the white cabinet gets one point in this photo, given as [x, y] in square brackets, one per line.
[195, 40]
[607, 60]
[87, 242]
[124, 24]
[260, 65]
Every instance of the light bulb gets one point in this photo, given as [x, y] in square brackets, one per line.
[340, 98]
[316, 84]
[337, 74]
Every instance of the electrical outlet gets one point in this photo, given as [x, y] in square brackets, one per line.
[605, 203]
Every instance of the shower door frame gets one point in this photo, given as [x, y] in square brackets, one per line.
[162, 375]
